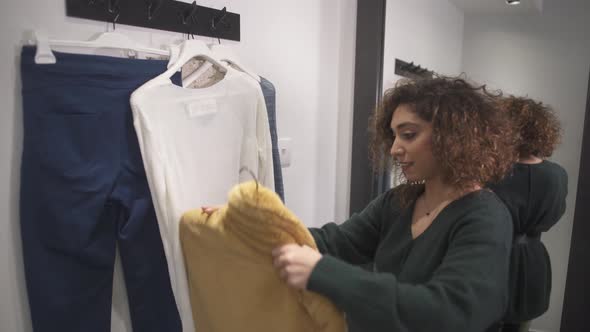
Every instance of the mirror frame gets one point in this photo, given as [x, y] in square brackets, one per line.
[365, 184]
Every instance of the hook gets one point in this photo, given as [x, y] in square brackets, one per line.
[245, 168]
[114, 6]
[189, 14]
[114, 9]
[189, 18]
[153, 6]
[219, 19]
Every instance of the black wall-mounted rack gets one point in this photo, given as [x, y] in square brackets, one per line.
[410, 70]
[169, 15]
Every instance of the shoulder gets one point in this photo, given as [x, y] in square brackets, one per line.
[384, 201]
[547, 175]
[548, 181]
[381, 208]
[483, 202]
[552, 171]
[479, 200]
[390, 199]
[483, 214]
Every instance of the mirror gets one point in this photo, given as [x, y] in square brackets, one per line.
[534, 48]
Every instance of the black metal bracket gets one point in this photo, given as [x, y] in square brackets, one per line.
[166, 15]
[410, 70]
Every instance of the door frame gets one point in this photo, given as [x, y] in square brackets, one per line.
[368, 88]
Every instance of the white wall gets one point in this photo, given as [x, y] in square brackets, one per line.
[427, 32]
[546, 57]
[335, 114]
[305, 47]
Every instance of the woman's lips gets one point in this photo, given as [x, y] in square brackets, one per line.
[405, 165]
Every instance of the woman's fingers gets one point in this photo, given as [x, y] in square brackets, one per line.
[209, 210]
[295, 263]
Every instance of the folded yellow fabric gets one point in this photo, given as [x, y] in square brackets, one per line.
[233, 284]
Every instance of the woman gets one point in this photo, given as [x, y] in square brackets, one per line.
[439, 244]
[535, 195]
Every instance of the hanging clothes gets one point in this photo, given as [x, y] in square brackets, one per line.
[194, 142]
[84, 192]
[269, 93]
[233, 284]
[268, 90]
[535, 196]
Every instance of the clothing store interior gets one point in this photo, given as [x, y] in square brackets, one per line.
[295, 165]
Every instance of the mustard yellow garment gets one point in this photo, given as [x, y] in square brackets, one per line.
[233, 284]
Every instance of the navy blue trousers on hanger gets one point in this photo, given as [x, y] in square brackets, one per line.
[84, 192]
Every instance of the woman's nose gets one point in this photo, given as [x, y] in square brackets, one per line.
[396, 150]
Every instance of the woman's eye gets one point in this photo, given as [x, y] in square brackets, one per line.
[408, 136]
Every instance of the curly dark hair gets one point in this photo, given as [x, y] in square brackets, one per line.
[537, 127]
[472, 140]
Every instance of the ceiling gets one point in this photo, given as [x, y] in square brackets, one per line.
[495, 7]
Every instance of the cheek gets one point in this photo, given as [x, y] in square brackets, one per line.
[424, 158]
[429, 162]
[423, 150]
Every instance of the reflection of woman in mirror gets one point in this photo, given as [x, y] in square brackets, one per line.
[438, 245]
[534, 193]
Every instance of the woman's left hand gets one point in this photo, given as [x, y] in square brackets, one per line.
[295, 263]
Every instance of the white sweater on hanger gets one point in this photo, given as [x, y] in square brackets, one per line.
[194, 143]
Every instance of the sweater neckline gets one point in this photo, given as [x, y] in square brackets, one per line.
[407, 216]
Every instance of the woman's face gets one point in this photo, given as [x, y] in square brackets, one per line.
[412, 145]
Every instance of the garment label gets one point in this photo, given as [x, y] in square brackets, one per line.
[202, 107]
